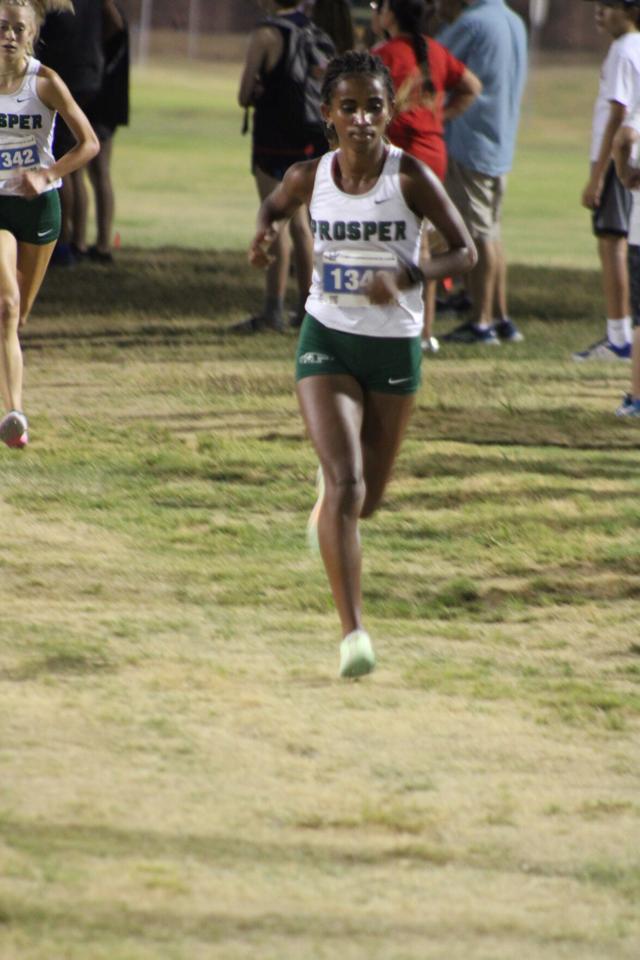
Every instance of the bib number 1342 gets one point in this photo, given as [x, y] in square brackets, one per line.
[346, 274]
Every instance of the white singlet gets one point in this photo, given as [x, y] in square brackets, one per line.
[353, 237]
[26, 132]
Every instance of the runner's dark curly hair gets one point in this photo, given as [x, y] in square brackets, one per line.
[355, 64]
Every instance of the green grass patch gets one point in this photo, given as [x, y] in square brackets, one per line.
[182, 773]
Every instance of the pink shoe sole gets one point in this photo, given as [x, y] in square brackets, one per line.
[19, 443]
[13, 428]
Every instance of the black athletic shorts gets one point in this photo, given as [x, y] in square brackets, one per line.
[275, 162]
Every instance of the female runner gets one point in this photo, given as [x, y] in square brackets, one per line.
[30, 97]
[358, 357]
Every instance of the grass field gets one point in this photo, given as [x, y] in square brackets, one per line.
[182, 776]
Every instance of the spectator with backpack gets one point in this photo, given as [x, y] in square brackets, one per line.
[281, 80]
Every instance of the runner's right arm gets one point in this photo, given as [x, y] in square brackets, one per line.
[294, 191]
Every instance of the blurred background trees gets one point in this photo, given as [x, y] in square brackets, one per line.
[568, 23]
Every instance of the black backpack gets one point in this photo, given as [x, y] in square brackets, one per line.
[308, 50]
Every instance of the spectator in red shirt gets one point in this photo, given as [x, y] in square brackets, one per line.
[432, 86]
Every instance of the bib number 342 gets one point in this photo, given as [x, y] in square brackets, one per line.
[16, 158]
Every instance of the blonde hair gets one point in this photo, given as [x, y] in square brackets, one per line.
[40, 9]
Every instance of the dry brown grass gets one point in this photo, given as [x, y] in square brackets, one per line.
[182, 774]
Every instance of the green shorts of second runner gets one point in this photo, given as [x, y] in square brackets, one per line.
[32, 221]
[379, 364]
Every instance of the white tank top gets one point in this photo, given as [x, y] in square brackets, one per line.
[354, 235]
[26, 132]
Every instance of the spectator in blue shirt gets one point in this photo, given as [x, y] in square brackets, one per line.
[492, 41]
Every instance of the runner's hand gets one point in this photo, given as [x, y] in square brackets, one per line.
[32, 183]
[383, 289]
[259, 255]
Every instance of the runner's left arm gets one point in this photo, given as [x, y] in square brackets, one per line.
[427, 198]
[55, 94]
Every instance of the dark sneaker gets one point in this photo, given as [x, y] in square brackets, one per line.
[507, 331]
[604, 350]
[629, 407]
[104, 257]
[63, 255]
[458, 302]
[470, 333]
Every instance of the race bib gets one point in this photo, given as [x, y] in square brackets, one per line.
[346, 274]
[18, 156]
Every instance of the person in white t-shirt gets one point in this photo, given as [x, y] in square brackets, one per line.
[626, 154]
[603, 193]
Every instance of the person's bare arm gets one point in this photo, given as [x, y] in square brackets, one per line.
[462, 96]
[593, 190]
[265, 49]
[623, 144]
[112, 19]
[55, 94]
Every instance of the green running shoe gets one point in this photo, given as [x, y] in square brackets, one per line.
[356, 654]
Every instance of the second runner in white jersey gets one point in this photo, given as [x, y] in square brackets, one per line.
[355, 235]
[26, 133]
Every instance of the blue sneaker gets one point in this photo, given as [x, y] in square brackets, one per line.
[629, 407]
[604, 350]
[470, 333]
[507, 330]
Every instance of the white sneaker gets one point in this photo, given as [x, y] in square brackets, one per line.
[430, 344]
[356, 654]
[13, 429]
[603, 350]
[312, 523]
